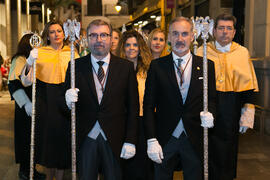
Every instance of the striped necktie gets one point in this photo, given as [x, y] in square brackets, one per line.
[100, 71]
[180, 71]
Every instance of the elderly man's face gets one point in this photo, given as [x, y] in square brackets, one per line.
[99, 40]
[224, 32]
[180, 36]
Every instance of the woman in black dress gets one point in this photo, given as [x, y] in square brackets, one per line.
[23, 109]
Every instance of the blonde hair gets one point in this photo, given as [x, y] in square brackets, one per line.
[150, 38]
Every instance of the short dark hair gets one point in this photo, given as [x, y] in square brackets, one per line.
[99, 22]
[225, 17]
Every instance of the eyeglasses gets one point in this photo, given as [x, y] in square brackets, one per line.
[228, 28]
[103, 36]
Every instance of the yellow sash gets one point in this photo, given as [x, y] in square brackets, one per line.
[234, 69]
[52, 64]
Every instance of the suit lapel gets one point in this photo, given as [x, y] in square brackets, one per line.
[88, 74]
[169, 65]
[196, 72]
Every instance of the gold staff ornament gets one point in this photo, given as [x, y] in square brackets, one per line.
[35, 42]
[72, 30]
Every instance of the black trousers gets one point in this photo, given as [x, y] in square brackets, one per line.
[140, 167]
[223, 137]
[175, 151]
[96, 156]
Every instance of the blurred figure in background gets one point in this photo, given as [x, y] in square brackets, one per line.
[157, 43]
[23, 109]
[83, 49]
[116, 36]
[4, 72]
[1, 78]
[133, 47]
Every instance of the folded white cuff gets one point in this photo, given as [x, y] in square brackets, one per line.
[20, 97]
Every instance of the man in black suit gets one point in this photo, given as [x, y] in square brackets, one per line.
[107, 106]
[174, 92]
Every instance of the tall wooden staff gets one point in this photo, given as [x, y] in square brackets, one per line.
[35, 42]
[206, 28]
[72, 29]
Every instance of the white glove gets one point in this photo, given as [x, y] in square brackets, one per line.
[243, 129]
[32, 56]
[207, 119]
[154, 150]
[71, 96]
[28, 108]
[128, 151]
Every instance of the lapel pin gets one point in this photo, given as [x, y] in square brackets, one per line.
[198, 68]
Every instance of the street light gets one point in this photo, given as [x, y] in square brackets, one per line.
[118, 7]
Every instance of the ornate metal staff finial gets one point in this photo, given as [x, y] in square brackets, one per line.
[35, 41]
[72, 30]
[196, 31]
[207, 25]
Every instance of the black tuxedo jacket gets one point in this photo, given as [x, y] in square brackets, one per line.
[163, 97]
[118, 111]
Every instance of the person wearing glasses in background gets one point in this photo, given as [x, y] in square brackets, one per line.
[107, 107]
[236, 85]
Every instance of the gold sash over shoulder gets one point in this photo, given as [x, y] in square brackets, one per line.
[52, 64]
[16, 68]
[234, 69]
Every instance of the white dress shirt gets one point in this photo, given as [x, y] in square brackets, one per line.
[96, 130]
[223, 49]
[184, 87]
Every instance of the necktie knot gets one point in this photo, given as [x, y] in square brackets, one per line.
[100, 63]
[179, 62]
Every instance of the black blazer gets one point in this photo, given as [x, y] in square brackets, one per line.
[119, 108]
[162, 94]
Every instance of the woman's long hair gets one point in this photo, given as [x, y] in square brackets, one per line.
[144, 56]
[24, 47]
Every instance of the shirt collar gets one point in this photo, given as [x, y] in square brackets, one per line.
[223, 48]
[106, 59]
[185, 57]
